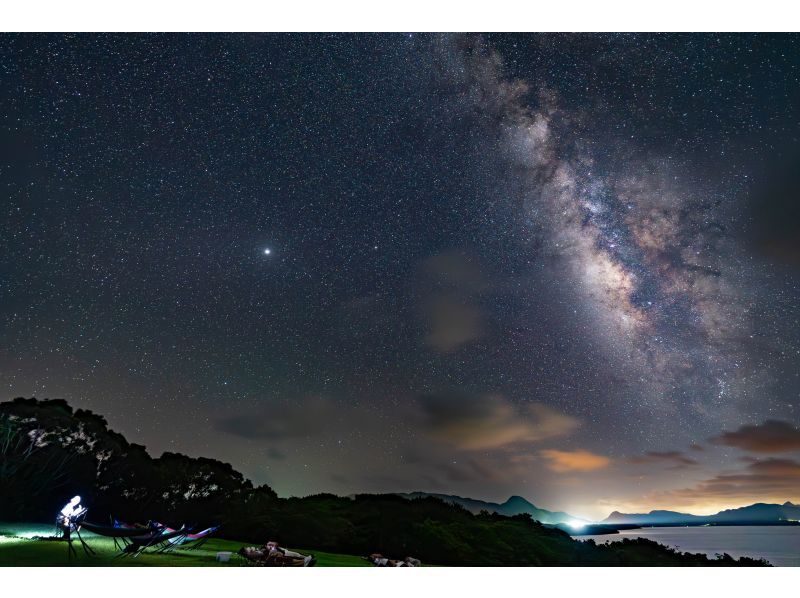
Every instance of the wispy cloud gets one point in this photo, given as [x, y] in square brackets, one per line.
[452, 323]
[451, 283]
[578, 460]
[484, 422]
[762, 480]
[306, 416]
[675, 458]
[773, 436]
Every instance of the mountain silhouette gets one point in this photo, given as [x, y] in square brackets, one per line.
[762, 513]
[515, 505]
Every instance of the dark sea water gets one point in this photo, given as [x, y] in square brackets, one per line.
[780, 545]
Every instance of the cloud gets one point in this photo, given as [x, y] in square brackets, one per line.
[454, 270]
[469, 470]
[770, 479]
[302, 417]
[275, 453]
[452, 323]
[452, 282]
[676, 458]
[491, 421]
[773, 436]
[579, 460]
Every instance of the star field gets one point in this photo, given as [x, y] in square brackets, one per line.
[411, 262]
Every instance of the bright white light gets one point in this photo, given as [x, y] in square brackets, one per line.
[575, 524]
[267, 251]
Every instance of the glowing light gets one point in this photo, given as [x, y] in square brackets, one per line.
[575, 524]
[267, 251]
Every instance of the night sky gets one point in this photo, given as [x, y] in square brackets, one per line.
[560, 266]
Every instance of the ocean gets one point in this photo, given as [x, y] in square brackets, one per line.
[780, 545]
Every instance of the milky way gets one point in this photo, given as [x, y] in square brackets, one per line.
[648, 256]
[562, 266]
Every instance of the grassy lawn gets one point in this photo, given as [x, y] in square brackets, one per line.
[19, 548]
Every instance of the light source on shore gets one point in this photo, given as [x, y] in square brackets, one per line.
[576, 524]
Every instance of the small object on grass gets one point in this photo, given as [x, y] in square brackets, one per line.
[379, 560]
[271, 555]
[224, 557]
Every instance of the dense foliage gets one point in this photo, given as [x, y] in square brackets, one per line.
[48, 452]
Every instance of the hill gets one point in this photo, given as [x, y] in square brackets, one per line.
[658, 517]
[755, 514]
[759, 513]
[515, 505]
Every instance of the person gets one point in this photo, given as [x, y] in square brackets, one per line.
[273, 549]
[379, 560]
[271, 554]
[66, 517]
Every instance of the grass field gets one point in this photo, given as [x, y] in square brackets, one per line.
[20, 548]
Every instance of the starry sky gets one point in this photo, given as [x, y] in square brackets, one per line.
[564, 266]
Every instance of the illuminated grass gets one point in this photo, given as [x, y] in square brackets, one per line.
[19, 548]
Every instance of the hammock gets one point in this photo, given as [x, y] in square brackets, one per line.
[194, 541]
[169, 537]
[160, 539]
[134, 539]
[116, 531]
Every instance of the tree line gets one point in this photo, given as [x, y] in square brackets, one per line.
[49, 452]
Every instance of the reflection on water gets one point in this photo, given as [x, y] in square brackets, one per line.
[780, 545]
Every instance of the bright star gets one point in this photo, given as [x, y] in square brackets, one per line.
[267, 251]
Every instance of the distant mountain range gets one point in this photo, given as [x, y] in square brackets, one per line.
[756, 514]
[759, 513]
[513, 506]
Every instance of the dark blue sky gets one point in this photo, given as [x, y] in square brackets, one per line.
[549, 265]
